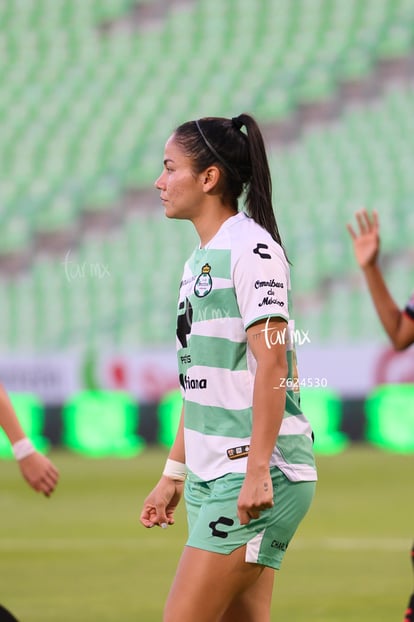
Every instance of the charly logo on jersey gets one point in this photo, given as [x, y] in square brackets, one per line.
[260, 250]
[204, 283]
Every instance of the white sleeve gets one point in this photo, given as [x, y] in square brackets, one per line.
[261, 281]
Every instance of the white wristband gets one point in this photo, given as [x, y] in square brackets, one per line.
[23, 448]
[175, 470]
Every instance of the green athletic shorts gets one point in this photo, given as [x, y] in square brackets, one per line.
[214, 526]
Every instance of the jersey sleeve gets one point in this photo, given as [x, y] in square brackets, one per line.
[409, 309]
[261, 281]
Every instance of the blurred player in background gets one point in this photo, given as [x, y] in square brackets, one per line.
[36, 469]
[409, 613]
[398, 324]
[243, 454]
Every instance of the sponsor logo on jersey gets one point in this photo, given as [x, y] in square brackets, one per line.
[259, 251]
[269, 300]
[192, 383]
[204, 283]
[271, 283]
[238, 452]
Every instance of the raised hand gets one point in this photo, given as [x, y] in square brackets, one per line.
[366, 240]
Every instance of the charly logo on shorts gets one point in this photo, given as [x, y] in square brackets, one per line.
[223, 520]
[204, 283]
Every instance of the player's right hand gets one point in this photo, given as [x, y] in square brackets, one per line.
[159, 506]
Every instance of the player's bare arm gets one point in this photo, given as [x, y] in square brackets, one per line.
[37, 470]
[160, 504]
[268, 408]
[398, 326]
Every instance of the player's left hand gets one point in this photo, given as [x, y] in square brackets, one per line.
[256, 495]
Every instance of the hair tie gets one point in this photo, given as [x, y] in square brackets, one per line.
[237, 123]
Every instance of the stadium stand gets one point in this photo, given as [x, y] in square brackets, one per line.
[95, 87]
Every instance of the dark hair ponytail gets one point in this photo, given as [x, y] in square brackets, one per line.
[259, 191]
[242, 159]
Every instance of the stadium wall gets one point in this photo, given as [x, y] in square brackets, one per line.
[351, 373]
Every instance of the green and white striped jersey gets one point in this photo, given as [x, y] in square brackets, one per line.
[239, 277]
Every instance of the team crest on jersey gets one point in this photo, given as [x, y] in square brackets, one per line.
[204, 283]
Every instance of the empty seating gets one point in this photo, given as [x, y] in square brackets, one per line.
[83, 124]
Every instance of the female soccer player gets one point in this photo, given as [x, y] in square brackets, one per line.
[243, 454]
[36, 469]
[398, 324]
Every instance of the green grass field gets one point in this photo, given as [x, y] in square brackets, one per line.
[82, 555]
